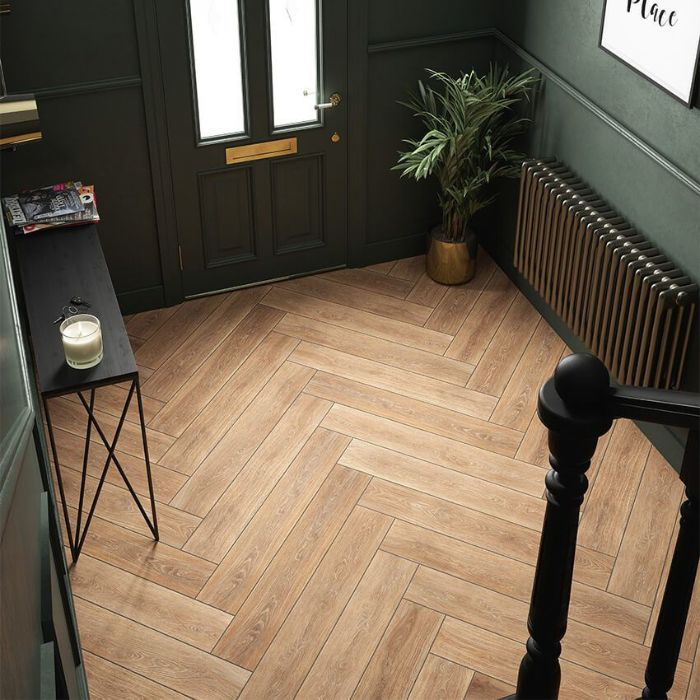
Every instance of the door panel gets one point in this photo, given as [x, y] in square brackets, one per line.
[261, 219]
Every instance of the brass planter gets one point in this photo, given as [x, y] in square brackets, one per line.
[451, 263]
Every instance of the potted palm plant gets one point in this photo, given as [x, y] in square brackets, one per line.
[470, 124]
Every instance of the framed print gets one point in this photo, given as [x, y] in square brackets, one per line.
[660, 40]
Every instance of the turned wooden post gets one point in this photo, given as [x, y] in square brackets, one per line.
[668, 636]
[574, 406]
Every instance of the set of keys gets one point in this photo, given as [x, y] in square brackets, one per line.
[76, 304]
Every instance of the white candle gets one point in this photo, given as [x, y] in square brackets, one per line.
[82, 341]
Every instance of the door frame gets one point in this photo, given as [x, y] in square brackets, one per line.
[155, 112]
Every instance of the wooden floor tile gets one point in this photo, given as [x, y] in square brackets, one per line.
[181, 365]
[108, 681]
[206, 430]
[459, 300]
[358, 320]
[295, 648]
[229, 517]
[441, 679]
[401, 653]
[225, 461]
[252, 552]
[427, 292]
[148, 603]
[373, 278]
[481, 496]
[645, 543]
[370, 348]
[380, 304]
[443, 451]
[170, 336]
[165, 660]
[484, 687]
[343, 659]
[73, 417]
[215, 371]
[615, 489]
[519, 400]
[439, 420]
[415, 386]
[409, 268]
[166, 482]
[479, 327]
[141, 555]
[143, 325]
[111, 399]
[505, 349]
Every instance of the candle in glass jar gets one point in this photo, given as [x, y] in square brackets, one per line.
[82, 341]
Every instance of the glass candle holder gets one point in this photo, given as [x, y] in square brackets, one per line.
[82, 341]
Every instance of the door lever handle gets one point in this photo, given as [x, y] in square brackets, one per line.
[334, 100]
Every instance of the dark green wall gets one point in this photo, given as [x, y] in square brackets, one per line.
[82, 60]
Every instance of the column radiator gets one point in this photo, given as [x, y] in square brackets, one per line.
[631, 305]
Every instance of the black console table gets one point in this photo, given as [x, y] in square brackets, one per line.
[55, 266]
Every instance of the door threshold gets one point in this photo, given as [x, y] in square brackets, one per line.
[262, 282]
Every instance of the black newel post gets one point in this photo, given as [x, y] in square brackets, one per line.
[575, 406]
[668, 636]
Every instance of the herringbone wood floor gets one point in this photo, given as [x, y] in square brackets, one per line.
[349, 476]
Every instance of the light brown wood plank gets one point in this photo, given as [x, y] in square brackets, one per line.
[172, 663]
[398, 660]
[217, 417]
[108, 681]
[483, 320]
[347, 652]
[519, 400]
[142, 556]
[215, 371]
[615, 488]
[415, 386]
[443, 451]
[427, 292]
[117, 505]
[458, 301]
[143, 325]
[694, 686]
[357, 320]
[465, 490]
[135, 343]
[383, 268]
[228, 518]
[409, 268]
[166, 482]
[376, 349]
[252, 552]
[355, 298]
[295, 648]
[417, 414]
[441, 679]
[73, 418]
[513, 579]
[479, 529]
[145, 602]
[372, 280]
[225, 461]
[111, 399]
[484, 687]
[691, 637]
[263, 613]
[144, 373]
[197, 346]
[170, 336]
[645, 543]
[505, 349]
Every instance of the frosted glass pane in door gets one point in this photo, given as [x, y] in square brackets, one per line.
[216, 45]
[294, 59]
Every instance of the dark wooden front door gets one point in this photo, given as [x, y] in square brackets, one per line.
[241, 74]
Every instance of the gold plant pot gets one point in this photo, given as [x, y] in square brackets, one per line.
[451, 263]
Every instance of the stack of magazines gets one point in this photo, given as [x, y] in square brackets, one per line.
[65, 204]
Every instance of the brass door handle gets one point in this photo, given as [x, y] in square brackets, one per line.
[333, 101]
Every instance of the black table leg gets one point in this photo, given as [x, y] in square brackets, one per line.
[147, 458]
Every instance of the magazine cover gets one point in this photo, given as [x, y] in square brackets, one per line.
[88, 216]
[45, 203]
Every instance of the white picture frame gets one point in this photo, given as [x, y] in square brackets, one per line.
[658, 39]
